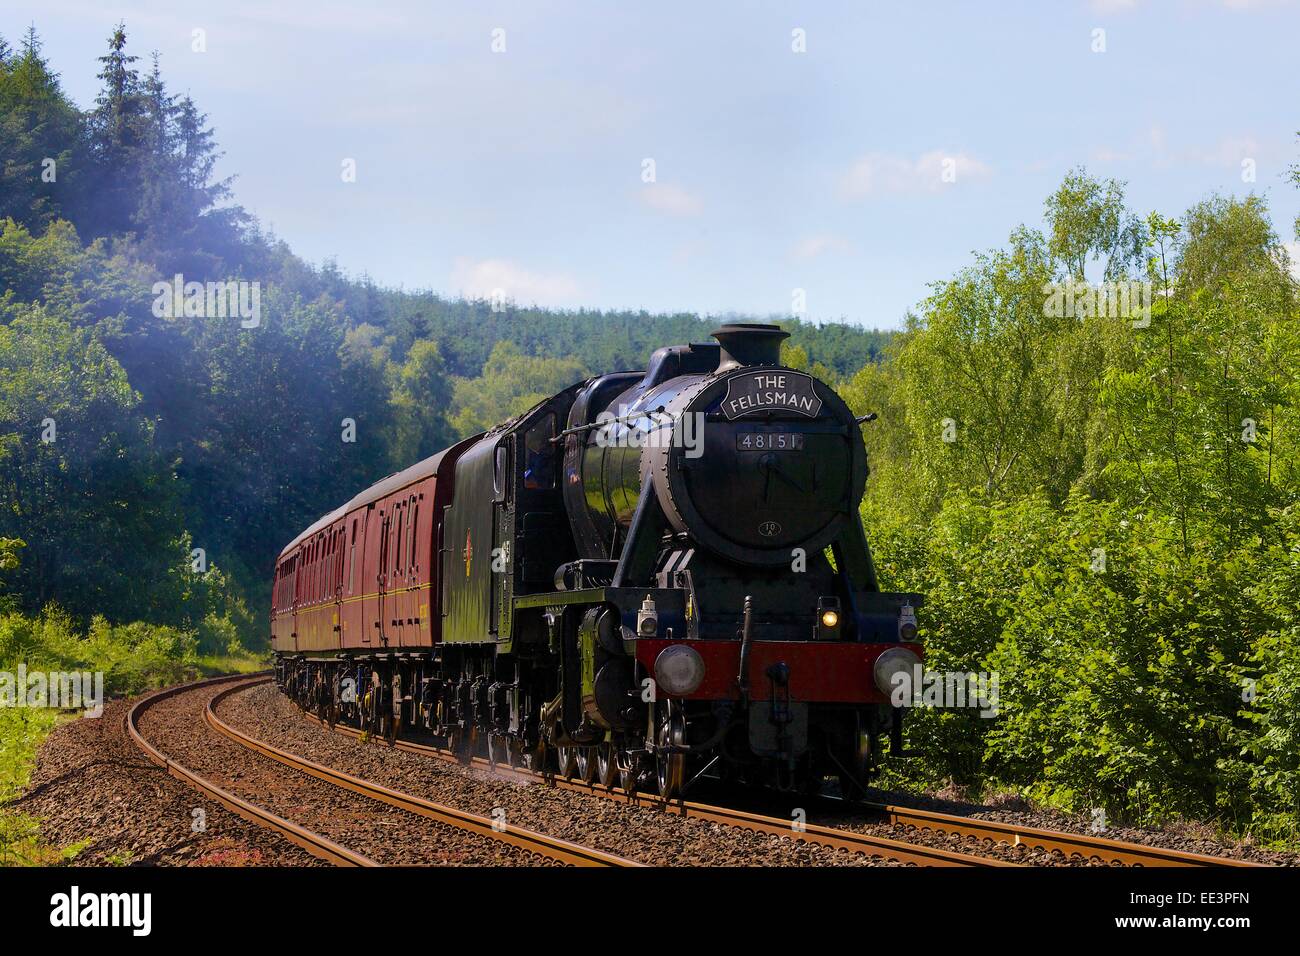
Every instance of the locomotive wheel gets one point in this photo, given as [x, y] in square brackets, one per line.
[607, 765]
[586, 761]
[630, 772]
[532, 759]
[566, 761]
[670, 768]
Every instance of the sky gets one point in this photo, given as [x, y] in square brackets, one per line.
[827, 158]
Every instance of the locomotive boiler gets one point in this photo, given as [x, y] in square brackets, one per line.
[649, 578]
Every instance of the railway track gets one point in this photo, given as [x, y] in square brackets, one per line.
[1087, 847]
[536, 844]
[314, 843]
[562, 851]
[838, 839]
[1083, 846]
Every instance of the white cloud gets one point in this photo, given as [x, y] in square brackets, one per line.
[885, 173]
[673, 200]
[483, 278]
[1229, 152]
[810, 247]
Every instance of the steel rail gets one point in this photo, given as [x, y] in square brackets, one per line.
[847, 840]
[1085, 846]
[1068, 844]
[315, 844]
[530, 841]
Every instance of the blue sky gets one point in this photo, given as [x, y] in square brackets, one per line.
[774, 170]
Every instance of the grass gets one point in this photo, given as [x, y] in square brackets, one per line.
[244, 662]
[133, 659]
[22, 730]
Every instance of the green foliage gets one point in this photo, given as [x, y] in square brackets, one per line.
[21, 731]
[78, 469]
[1114, 529]
[1110, 693]
[511, 383]
[37, 124]
[133, 657]
[421, 393]
[1087, 220]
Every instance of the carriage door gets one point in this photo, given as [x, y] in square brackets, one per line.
[354, 584]
[502, 557]
[382, 576]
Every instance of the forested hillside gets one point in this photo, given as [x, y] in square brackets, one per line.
[173, 434]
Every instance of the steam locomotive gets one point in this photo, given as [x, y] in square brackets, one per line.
[648, 578]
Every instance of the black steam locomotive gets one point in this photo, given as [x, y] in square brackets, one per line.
[649, 577]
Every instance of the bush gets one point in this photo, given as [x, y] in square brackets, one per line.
[1110, 694]
[133, 657]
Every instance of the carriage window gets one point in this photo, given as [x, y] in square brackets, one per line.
[539, 455]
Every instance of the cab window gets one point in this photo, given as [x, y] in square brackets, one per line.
[539, 455]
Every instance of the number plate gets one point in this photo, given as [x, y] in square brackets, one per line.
[769, 441]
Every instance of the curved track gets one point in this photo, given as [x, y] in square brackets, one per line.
[1083, 846]
[309, 840]
[561, 851]
[528, 842]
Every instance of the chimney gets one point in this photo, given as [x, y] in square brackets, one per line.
[749, 343]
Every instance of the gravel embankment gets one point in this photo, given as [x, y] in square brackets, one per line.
[91, 783]
[385, 834]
